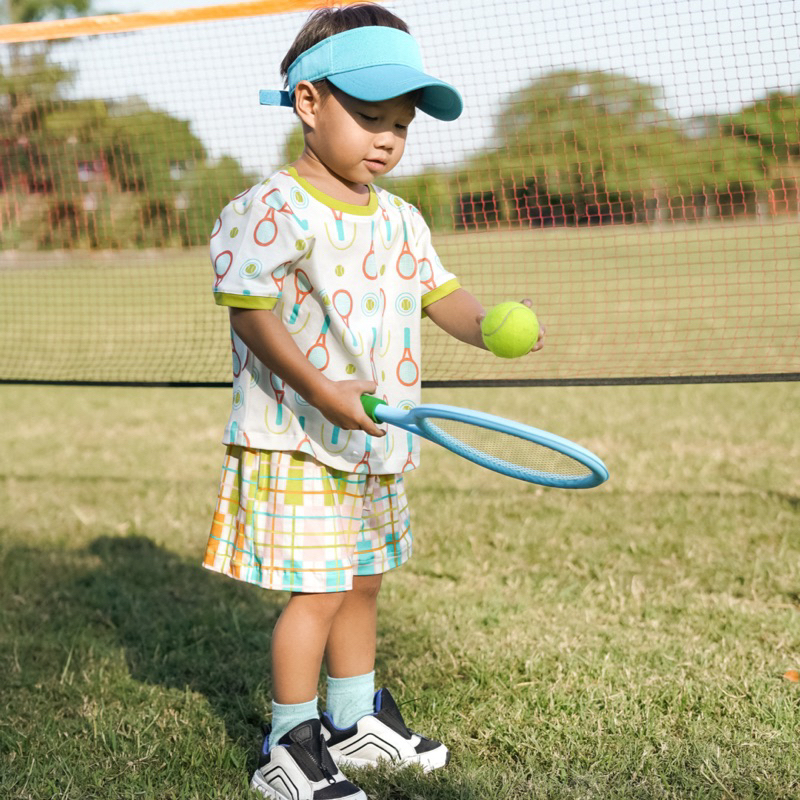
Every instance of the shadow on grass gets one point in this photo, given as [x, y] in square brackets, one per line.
[182, 626]
[179, 627]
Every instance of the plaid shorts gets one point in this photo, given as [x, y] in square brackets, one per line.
[285, 521]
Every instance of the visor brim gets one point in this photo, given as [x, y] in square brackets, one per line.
[385, 81]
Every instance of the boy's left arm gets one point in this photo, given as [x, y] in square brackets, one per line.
[460, 315]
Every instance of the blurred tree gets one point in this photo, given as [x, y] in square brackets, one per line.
[602, 143]
[37, 10]
[293, 147]
[209, 187]
[770, 127]
[149, 150]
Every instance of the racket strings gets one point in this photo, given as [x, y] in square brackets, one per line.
[503, 449]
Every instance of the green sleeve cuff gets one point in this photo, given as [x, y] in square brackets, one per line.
[438, 293]
[244, 300]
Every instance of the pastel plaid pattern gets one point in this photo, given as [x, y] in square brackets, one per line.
[285, 521]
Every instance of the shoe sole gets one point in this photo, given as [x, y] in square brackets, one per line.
[436, 759]
[258, 784]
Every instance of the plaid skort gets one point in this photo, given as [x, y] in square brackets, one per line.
[285, 521]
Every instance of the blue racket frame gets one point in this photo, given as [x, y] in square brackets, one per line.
[415, 419]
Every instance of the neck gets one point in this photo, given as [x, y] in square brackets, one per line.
[310, 167]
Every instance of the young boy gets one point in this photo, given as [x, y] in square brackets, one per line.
[326, 278]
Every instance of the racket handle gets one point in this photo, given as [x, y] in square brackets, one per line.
[370, 403]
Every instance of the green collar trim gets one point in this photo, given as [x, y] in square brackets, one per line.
[349, 208]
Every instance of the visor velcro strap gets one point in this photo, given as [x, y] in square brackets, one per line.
[274, 97]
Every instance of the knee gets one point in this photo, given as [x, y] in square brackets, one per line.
[366, 587]
[323, 606]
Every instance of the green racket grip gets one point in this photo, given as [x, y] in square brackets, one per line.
[370, 403]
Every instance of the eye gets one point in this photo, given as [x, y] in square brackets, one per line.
[401, 127]
[368, 118]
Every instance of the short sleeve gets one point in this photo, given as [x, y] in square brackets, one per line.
[255, 241]
[436, 281]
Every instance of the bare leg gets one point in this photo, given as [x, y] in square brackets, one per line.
[298, 644]
[350, 649]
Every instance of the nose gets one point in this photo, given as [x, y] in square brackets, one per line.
[385, 140]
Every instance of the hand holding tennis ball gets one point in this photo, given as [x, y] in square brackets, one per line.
[510, 330]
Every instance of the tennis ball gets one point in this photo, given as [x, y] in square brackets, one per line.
[510, 330]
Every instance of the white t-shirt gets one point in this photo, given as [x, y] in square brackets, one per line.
[350, 284]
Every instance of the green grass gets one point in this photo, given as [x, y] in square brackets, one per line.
[619, 301]
[625, 642]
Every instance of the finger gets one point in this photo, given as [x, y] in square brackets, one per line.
[540, 340]
[366, 387]
[371, 428]
[527, 302]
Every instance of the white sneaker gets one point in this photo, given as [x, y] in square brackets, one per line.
[300, 767]
[382, 736]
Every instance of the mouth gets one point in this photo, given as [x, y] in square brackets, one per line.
[374, 164]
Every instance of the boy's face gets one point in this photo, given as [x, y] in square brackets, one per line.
[356, 140]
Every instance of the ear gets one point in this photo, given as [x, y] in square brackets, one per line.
[306, 102]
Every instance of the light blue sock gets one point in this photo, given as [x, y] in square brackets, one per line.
[349, 699]
[285, 717]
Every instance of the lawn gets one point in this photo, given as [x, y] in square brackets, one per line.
[626, 642]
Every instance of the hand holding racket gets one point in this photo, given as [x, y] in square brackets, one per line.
[510, 448]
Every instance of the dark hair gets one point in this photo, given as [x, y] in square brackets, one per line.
[325, 22]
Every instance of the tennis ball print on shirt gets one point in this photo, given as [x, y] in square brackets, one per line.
[350, 284]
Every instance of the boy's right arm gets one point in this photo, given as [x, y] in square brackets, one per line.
[269, 341]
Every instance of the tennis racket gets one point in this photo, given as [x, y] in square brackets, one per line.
[501, 445]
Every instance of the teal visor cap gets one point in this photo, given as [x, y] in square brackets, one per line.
[371, 63]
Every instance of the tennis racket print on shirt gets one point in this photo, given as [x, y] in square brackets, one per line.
[363, 465]
[387, 242]
[370, 264]
[222, 266]
[407, 369]
[266, 230]
[343, 305]
[426, 274]
[238, 364]
[318, 354]
[372, 355]
[279, 275]
[304, 445]
[406, 263]
[336, 443]
[217, 228]
[274, 199]
[303, 288]
[279, 389]
[341, 242]
[409, 465]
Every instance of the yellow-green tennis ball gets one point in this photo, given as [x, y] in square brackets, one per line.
[510, 330]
